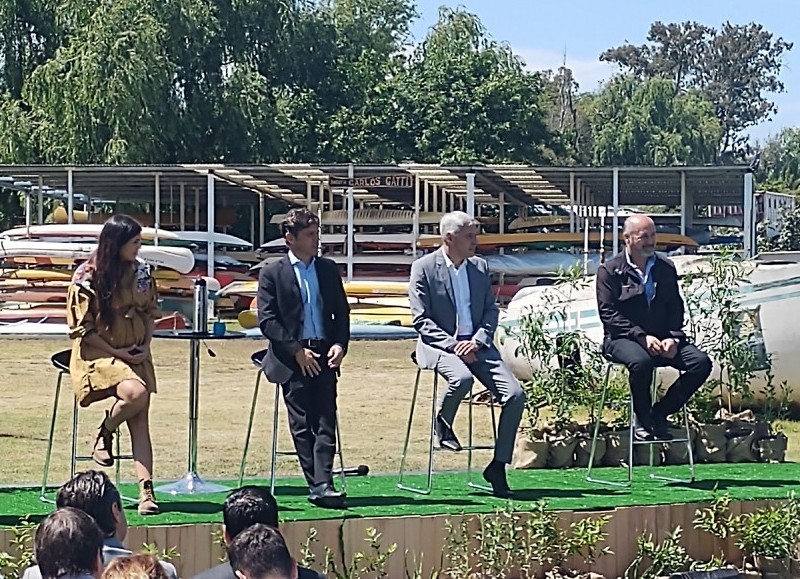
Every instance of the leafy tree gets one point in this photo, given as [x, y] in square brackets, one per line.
[468, 99]
[735, 67]
[779, 166]
[637, 122]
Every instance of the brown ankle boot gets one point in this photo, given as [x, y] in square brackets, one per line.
[147, 498]
[103, 444]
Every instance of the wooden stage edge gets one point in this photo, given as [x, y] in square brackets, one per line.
[422, 539]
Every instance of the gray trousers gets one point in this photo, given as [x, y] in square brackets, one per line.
[492, 372]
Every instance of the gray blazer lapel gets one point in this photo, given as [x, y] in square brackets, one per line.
[444, 276]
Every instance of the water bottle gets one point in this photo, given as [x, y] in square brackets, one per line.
[200, 320]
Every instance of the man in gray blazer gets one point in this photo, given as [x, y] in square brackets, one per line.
[455, 314]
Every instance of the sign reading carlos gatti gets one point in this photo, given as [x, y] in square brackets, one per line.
[387, 181]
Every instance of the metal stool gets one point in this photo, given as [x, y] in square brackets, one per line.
[687, 439]
[431, 449]
[257, 359]
[60, 361]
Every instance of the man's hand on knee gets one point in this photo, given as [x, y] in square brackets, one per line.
[653, 345]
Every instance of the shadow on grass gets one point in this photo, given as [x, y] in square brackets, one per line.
[725, 483]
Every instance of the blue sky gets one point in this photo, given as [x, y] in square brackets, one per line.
[541, 32]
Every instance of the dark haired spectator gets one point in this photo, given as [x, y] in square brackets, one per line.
[259, 552]
[68, 544]
[245, 507]
[93, 493]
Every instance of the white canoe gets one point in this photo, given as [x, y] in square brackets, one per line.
[76, 230]
[222, 239]
[180, 259]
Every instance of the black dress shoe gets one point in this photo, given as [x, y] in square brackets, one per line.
[495, 475]
[446, 436]
[661, 428]
[327, 498]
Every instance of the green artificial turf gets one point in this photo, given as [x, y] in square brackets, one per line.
[377, 496]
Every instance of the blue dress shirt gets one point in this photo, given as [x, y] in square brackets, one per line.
[306, 275]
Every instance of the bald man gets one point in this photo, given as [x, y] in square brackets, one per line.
[642, 313]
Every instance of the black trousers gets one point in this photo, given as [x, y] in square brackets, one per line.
[311, 405]
[695, 365]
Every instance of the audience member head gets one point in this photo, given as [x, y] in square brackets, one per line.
[259, 552]
[639, 233]
[459, 234]
[139, 566]
[247, 506]
[300, 230]
[93, 492]
[68, 542]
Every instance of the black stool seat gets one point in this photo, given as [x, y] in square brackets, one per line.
[61, 360]
[414, 356]
[257, 358]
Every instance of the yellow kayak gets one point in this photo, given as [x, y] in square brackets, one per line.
[492, 240]
[366, 288]
[36, 274]
[369, 313]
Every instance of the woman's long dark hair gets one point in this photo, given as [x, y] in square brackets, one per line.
[108, 267]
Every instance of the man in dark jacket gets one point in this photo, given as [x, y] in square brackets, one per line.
[244, 508]
[303, 311]
[642, 311]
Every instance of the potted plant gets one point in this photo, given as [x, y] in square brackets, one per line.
[769, 537]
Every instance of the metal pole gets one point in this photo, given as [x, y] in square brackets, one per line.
[40, 202]
[70, 200]
[572, 202]
[261, 217]
[350, 232]
[471, 194]
[197, 208]
[157, 220]
[415, 224]
[252, 224]
[194, 388]
[615, 218]
[684, 209]
[749, 216]
[210, 215]
[28, 208]
[183, 206]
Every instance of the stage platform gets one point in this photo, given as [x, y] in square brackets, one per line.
[416, 522]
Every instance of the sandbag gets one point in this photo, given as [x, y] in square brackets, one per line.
[711, 444]
[677, 452]
[530, 453]
[772, 448]
[562, 449]
[616, 448]
[584, 448]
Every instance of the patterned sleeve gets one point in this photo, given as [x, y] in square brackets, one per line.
[153, 310]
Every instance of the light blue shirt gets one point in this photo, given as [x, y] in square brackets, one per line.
[461, 293]
[647, 279]
[312, 298]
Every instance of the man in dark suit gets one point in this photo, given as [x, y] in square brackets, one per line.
[455, 313]
[245, 507]
[642, 311]
[303, 311]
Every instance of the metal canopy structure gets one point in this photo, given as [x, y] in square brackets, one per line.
[520, 184]
[578, 191]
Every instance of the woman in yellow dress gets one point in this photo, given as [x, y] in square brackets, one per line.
[111, 308]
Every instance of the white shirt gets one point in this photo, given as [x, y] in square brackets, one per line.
[460, 283]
